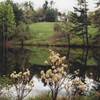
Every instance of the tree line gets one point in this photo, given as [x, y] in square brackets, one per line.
[15, 18]
[80, 22]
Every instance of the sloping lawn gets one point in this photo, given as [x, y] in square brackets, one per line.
[42, 31]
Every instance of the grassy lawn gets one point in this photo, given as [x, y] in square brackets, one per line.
[92, 31]
[42, 31]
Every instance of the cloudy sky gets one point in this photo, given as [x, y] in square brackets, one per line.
[62, 5]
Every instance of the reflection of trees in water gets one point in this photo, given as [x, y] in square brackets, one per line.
[16, 59]
[96, 55]
[3, 57]
[21, 58]
[78, 60]
[85, 59]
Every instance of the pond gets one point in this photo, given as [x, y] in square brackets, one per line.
[87, 60]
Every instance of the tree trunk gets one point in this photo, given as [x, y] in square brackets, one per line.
[86, 23]
[83, 38]
[54, 95]
[19, 98]
[68, 37]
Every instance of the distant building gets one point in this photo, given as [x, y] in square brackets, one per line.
[61, 17]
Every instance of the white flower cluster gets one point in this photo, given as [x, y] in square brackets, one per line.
[77, 87]
[74, 86]
[22, 83]
[57, 71]
[21, 77]
[77, 83]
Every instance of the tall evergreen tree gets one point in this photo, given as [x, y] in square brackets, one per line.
[18, 12]
[79, 18]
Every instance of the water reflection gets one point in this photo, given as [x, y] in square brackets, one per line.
[96, 56]
[18, 58]
[39, 88]
[84, 60]
[3, 58]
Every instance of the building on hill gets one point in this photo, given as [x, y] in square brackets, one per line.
[61, 17]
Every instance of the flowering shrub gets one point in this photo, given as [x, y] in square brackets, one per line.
[55, 76]
[4, 85]
[22, 83]
[78, 85]
[75, 86]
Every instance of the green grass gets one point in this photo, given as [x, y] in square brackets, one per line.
[42, 31]
[93, 31]
[47, 97]
[76, 41]
[39, 55]
[4, 98]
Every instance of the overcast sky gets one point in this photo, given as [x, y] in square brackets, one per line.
[62, 5]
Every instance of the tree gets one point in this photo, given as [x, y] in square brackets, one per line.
[51, 15]
[22, 33]
[18, 12]
[65, 29]
[95, 18]
[51, 3]
[79, 18]
[7, 19]
[10, 19]
[28, 12]
[22, 83]
[55, 77]
[45, 5]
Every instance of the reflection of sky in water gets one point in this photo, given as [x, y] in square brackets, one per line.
[39, 88]
[75, 56]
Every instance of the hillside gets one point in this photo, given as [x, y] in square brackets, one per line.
[42, 31]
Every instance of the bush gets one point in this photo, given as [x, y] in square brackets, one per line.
[22, 33]
[54, 78]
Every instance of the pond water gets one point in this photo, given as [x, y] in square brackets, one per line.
[16, 58]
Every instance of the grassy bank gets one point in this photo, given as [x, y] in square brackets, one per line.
[42, 31]
[48, 97]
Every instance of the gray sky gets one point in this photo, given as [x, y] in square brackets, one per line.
[62, 5]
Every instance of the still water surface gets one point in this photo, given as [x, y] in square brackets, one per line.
[16, 58]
